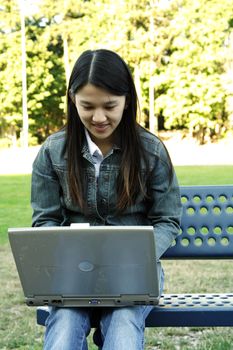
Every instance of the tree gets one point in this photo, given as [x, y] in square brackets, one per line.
[10, 66]
[189, 86]
[178, 50]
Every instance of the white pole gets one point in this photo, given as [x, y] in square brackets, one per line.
[152, 118]
[65, 47]
[24, 76]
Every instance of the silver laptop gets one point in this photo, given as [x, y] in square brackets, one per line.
[86, 266]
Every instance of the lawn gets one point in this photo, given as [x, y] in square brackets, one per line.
[205, 175]
[18, 329]
[14, 203]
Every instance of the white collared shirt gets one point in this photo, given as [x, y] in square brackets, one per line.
[95, 152]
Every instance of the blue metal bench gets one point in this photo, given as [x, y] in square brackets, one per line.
[206, 233]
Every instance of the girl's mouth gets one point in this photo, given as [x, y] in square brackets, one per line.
[100, 127]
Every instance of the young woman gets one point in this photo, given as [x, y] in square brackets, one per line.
[103, 168]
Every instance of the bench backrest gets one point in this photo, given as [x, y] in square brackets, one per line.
[206, 225]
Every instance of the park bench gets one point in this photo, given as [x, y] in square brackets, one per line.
[206, 233]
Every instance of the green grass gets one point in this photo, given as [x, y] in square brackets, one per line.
[205, 175]
[14, 203]
[18, 329]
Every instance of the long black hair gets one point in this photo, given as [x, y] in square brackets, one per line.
[107, 70]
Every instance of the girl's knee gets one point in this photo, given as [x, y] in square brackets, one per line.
[67, 328]
[67, 318]
[136, 314]
[123, 328]
[131, 318]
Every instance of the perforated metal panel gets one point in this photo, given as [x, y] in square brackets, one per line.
[207, 224]
[192, 310]
[196, 300]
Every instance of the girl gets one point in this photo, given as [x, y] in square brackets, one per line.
[103, 168]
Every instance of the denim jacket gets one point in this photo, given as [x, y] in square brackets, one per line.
[52, 205]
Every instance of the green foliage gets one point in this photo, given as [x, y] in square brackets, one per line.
[184, 48]
[190, 87]
[45, 75]
[46, 82]
[10, 67]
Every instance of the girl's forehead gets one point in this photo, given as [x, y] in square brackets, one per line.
[90, 91]
[94, 94]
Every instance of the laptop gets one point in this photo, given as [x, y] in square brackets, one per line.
[86, 266]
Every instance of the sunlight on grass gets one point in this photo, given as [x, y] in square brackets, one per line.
[205, 175]
[14, 203]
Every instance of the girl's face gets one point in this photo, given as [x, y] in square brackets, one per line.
[100, 113]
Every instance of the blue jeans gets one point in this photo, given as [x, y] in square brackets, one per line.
[121, 328]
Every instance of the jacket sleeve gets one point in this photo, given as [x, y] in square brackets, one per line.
[45, 191]
[165, 209]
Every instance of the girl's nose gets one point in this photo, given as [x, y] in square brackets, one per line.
[98, 116]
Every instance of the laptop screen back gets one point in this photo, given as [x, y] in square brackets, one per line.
[100, 265]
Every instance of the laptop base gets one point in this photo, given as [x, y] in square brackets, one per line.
[123, 300]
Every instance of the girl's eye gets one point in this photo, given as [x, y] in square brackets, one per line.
[89, 108]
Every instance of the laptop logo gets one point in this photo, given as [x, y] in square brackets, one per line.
[86, 266]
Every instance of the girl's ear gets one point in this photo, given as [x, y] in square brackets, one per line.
[71, 94]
